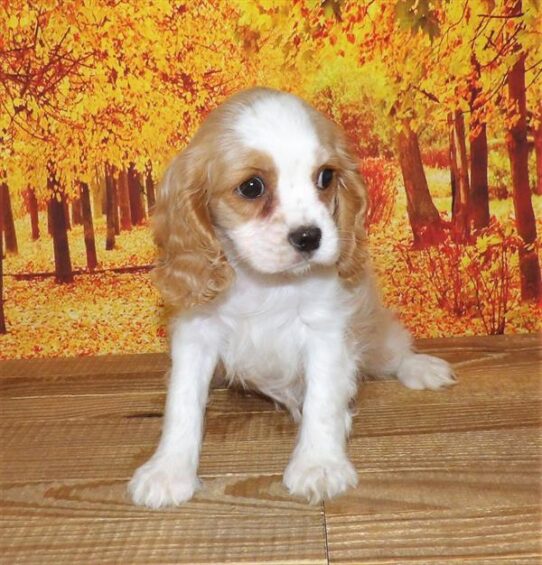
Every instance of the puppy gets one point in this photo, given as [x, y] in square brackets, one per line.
[264, 260]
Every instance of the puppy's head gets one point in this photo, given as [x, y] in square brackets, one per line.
[268, 182]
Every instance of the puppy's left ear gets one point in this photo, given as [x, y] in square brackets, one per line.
[351, 213]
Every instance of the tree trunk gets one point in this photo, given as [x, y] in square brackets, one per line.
[518, 151]
[50, 229]
[137, 208]
[110, 209]
[114, 209]
[479, 195]
[538, 152]
[424, 218]
[10, 235]
[3, 328]
[77, 217]
[459, 166]
[124, 201]
[452, 153]
[88, 227]
[33, 211]
[66, 207]
[104, 194]
[149, 186]
[63, 265]
[116, 219]
[98, 192]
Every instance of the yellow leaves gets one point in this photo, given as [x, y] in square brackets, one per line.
[87, 317]
[18, 104]
[12, 22]
[482, 243]
[84, 318]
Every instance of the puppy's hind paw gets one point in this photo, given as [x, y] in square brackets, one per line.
[420, 371]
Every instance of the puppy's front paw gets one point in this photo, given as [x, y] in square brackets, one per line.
[420, 371]
[317, 478]
[162, 481]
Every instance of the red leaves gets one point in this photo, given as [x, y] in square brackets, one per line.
[436, 157]
[380, 178]
[475, 281]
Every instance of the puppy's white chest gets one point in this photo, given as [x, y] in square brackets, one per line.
[266, 328]
[265, 339]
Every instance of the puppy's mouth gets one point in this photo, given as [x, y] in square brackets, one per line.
[301, 269]
[301, 266]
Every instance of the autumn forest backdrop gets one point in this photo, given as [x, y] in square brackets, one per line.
[442, 100]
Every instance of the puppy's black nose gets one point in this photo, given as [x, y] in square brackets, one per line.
[305, 238]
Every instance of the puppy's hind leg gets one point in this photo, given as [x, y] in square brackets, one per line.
[391, 354]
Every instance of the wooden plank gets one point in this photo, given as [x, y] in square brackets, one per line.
[113, 449]
[474, 357]
[135, 382]
[467, 534]
[388, 492]
[145, 372]
[233, 519]
[472, 361]
[30, 386]
[84, 366]
[404, 433]
[248, 445]
[116, 406]
[453, 348]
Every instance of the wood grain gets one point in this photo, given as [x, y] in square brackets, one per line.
[446, 477]
[102, 365]
[463, 535]
[232, 519]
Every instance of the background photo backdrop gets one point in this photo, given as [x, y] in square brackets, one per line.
[442, 100]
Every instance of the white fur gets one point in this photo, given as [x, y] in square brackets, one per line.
[287, 327]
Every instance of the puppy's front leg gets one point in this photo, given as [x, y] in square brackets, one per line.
[170, 476]
[319, 467]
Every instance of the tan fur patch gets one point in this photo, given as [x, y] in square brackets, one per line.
[229, 175]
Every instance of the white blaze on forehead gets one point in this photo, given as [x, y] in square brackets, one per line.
[280, 125]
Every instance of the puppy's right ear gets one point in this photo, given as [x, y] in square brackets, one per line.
[192, 269]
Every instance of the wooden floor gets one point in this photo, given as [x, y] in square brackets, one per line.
[445, 477]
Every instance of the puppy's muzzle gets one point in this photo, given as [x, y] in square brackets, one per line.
[305, 238]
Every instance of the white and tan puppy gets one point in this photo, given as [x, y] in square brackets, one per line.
[261, 227]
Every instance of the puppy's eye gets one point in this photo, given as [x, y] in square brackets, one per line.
[251, 188]
[324, 178]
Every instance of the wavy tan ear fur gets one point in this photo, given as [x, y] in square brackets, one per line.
[351, 212]
[192, 269]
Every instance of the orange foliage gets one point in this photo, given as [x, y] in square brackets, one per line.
[380, 177]
[90, 85]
